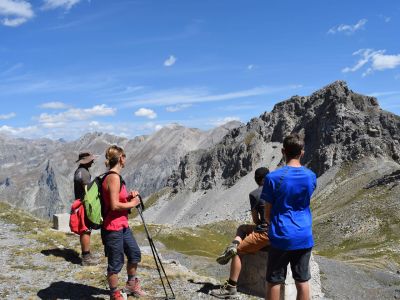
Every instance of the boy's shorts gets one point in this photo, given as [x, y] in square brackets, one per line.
[278, 260]
[251, 241]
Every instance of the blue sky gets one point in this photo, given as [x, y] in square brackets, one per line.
[68, 67]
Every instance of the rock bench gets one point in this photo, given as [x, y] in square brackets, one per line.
[61, 222]
[252, 278]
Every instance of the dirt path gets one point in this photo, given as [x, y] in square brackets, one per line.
[50, 269]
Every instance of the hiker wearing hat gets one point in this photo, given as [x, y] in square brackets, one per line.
[249, 239]
[117, 237]
[81, 179]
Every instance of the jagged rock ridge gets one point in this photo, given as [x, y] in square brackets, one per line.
[339, 125]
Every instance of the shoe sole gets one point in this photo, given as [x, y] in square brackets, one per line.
[224, 259]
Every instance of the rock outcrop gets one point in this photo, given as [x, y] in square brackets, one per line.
[338, 124]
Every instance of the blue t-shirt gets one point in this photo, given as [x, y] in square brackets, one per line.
[289, 191]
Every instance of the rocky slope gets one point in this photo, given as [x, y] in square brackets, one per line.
[352, 145]
[36, 175]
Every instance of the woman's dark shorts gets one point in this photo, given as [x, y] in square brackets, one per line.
[278, 260]
[118, 243]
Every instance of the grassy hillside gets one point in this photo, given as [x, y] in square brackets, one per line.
[357, 215]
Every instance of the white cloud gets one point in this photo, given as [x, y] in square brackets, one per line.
[54, 4]
[222, 121]
[19, 131]
[148, 127]
[251, 67]
[15, 12]
[75, 129]
[200, 95]
[77, 114]
[103, 127]
[386, 19]
[7, 116]
[11, 69]
[382, 62]
[178, 107]
[53, 124]
[377, 60]
[383, 94]
[145, 112]
[54, 105]
[170, 61]
[348, 29]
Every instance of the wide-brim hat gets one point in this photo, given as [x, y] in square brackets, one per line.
[85, 158]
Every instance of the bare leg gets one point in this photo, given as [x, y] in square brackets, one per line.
[236, 266]
[273, 291]
[131, 268]
[85, 242]
[303, 290]
[112, 280]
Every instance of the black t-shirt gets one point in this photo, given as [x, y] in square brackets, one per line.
[81, 179]
[257, 204]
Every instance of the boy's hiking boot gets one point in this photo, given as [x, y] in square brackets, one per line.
[227, 291]
[133, 288]
[117, 295]
[229, 252]
[88, 260]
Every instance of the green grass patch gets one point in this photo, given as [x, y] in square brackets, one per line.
[347, 246]
[208, 240]
[24, 221]
[93, 275]
[30, 267]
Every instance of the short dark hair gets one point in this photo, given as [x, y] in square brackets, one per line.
[293, 144]
[259, 174]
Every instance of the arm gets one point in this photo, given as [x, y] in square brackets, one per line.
[267, 197]
[254, 215]
[85, 177]
[268, 207]
[113, 183]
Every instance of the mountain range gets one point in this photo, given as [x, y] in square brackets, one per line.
[193, 177]
[37, 175]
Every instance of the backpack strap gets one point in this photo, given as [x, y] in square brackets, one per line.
[104, 175]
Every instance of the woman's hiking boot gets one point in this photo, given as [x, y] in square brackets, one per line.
[133, 288]
[117, 295]
[88, 260]
[229, 252]
[226, 291]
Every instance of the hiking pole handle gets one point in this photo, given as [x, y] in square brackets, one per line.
[141, 204]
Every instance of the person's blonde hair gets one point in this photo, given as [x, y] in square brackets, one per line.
[113, 153]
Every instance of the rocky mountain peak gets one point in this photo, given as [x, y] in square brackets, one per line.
[338, 124]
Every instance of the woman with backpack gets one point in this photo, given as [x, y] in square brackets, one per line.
[117, 236]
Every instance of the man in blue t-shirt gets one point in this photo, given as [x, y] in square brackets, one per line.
[287, 192]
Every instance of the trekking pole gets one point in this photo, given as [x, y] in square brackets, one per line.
[156, 257]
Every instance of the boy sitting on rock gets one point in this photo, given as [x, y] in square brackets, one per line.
[249, 239]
